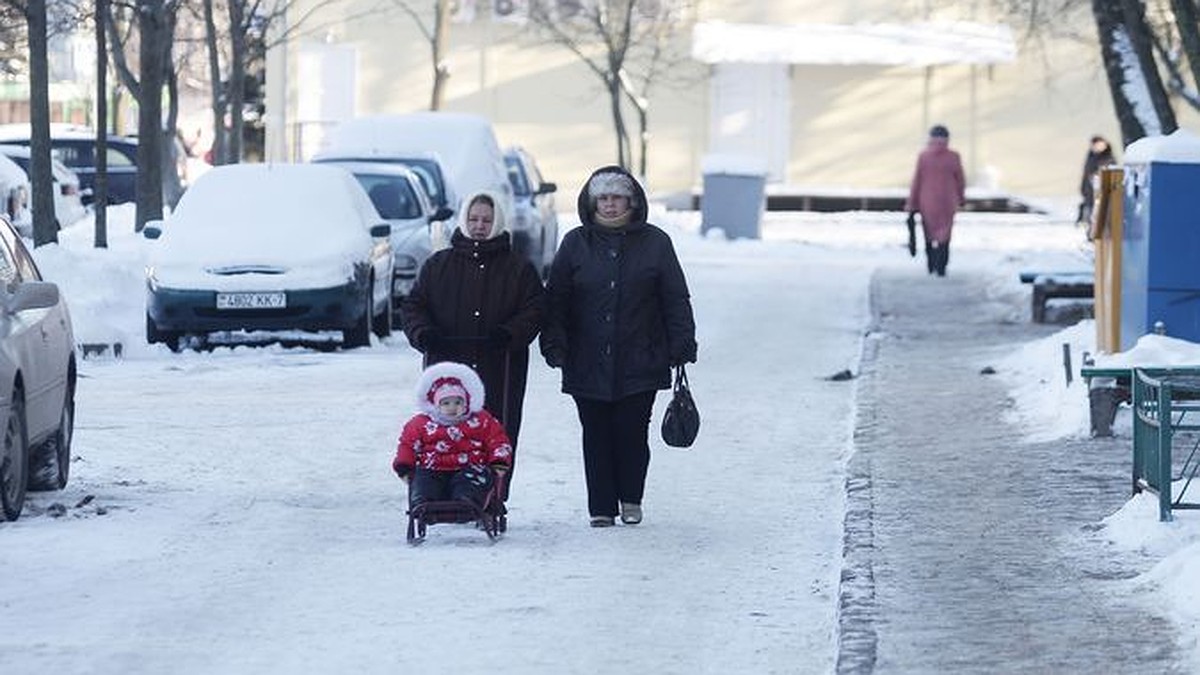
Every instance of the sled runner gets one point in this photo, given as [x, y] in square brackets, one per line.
[491, 518]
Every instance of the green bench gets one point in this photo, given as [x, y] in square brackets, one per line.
[1108, 387]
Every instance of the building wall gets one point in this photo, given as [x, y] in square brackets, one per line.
[851, 126]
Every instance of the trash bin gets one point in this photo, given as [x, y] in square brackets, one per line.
[1160, 280]
[734, 195]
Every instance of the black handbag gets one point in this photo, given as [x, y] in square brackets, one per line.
[681, 423]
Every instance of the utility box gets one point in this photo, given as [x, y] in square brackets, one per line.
[734, 195]
[1160, 242]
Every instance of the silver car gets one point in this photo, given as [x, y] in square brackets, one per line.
[68, 195]
[37, 378]
[535, 223]
[400, 198]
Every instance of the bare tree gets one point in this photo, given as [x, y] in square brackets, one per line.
[14, 38]
[625, 44]
[45, 230]
[438, 37]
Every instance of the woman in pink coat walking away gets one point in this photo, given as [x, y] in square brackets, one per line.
[938, 189]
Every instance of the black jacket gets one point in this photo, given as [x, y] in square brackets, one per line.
[467, 299]
[618, 312]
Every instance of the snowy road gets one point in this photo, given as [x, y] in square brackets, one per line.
[243, 518]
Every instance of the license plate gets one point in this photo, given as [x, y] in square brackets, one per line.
[251, 300]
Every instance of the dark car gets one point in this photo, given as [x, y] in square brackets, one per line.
[270, 248]
[76, 148]
[535, 224]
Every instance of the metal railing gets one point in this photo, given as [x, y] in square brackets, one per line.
[1166, 409]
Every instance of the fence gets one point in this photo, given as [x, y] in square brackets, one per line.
[1162, 404]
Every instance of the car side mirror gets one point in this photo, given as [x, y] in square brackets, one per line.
[33, 295]
[381, 230]
[443, 213]
[547, 188]
[153, 229]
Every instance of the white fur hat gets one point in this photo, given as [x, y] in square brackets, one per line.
[449, 378]
[610, 183]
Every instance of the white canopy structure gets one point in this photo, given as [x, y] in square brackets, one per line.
[750, 83]
[917, 44]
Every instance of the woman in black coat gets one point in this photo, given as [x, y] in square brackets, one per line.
[618, 317]
[479, 302]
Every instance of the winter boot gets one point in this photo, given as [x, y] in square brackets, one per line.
[929, 257]
[602, 521]
[943, 259]
[631, 514]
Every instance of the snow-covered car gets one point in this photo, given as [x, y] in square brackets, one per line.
[75, 146]
[37, 378]
[460, 146]
[15, 194]
[68, 196]
[535, 222]
[270, 247]
[399, 197]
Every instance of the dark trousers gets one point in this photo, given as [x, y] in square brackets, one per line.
[468, 484]
[616, 450]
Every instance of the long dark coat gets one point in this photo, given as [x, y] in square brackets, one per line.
[618, 311]
[465, 293]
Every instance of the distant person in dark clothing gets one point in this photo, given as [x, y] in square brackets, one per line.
[937, 191]
[618, 318]
[1100, 155]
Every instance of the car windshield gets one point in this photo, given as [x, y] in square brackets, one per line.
[516, 176]
[392, 196]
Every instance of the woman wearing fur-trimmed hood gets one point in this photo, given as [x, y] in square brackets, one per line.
[618, 317]
[479, 302]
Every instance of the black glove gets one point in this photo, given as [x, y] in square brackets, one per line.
[432, 340]
[554, 360]
[498, 337]
[402, 471]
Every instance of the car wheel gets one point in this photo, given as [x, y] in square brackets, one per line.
[167, 337]
[360, 334]
[51, 465]
[14, 475]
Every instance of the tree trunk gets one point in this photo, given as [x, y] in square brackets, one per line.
[100, 187]
[45, 227]
[1119, 60]
[152, 35]
[1143, 44]
[172, 184]
[441, 73]
[237, 79]
[614, 99]
[1187, 22]
[220, 141]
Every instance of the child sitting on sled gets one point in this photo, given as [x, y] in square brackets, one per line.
[452, 447]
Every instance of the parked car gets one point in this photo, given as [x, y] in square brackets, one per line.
[15, 193]
[270, 247]
[37, 378]
[75, 146]
[462, 148]
[399, 197]
[68, 200]
[535, 222]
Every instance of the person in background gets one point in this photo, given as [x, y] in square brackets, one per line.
[479, 302]
[1100, 155]
[618, 318]
[937, 191]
